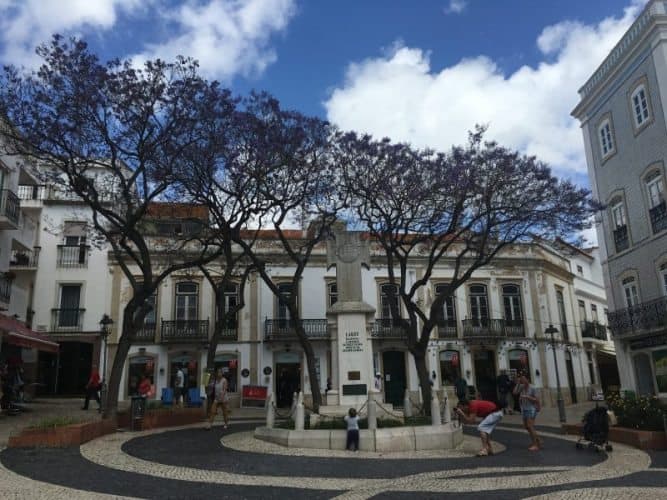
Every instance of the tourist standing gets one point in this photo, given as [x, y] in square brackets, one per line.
[504, 386]
[352, 421]
[489, 412]
[530, 406]
[92, 388]
[179, 386]
[460, 386]
[220, 399]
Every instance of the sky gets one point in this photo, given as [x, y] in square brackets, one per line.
[421, 71]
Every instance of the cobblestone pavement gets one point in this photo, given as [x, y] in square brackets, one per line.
[192, 462]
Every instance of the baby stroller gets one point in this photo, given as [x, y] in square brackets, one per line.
[595, 430]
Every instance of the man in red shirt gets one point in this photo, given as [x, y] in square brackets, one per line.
[489, 412]
[92, 388]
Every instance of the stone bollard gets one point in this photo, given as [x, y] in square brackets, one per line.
[435, 410]
[299, 414]
[372, 412]
[295, 401]
[270, 412]
[447, 417]
[407, 405]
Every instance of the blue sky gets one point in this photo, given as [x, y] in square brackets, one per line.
[421, 71]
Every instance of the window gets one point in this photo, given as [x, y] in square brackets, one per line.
[591, 366]
[580, 270]
[230, 301]
[187, 301]
[332, 289]
[450, 367]
[582, 310]
[656, 189]
[618, 214]
[663, 274]
[479, 305]
[606, 139]
[640, 106]
[512, 305]
[389, 301]
[70, 314]
[619, 225]
[594, 312]
[447, 314]
[286, 290]
[630, 291]
[560, 302]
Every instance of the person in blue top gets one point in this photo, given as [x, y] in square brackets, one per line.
[530, 406]
[352, 421]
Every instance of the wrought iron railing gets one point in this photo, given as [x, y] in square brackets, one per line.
[5, 288]
[10, 205]
[658, 215]
[24, 258]
[388, 328]
[146, 333]
[193, 330]
[447, 329]
[72, 256]
[593, 330]
[285, 329]
[67, 320]
[621, 239]
[643, 317]
[229, 330]
[493, 327]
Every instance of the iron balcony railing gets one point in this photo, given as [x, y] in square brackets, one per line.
[5, 288]
[10, 206]
[658, 216]
[641, 318]
[285, 329]
[32, 192]
[593, 330]
[229, 330]
[72, 256]
[621, 239]
[146, 333]
[447, 329]
[388, 328]
[24, 258]
[191, 330]
[67, 320]
[494, 328]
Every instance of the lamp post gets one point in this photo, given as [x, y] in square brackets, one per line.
[105, 330]
[559, 395]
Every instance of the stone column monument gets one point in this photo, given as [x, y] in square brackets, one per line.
[353, 353]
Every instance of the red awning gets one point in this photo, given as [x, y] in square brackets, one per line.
[16, 333]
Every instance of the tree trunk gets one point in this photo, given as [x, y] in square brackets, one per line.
[110, 404]
[312, 376]
[419, 355]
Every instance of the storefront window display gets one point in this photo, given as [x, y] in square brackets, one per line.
[660, 361]
[141, 366]
[230, 366]
[450, 367]
[189, 365]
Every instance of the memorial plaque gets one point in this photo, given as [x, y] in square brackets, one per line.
[356, 375]
[354, 390]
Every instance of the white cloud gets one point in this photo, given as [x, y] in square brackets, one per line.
[401, 96]
[28, 23]
[455, 6]
[228, 37]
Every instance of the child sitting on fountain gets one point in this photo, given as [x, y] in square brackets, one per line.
[352, 421]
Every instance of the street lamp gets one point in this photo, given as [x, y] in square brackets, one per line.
[559, 395]
[105, 330]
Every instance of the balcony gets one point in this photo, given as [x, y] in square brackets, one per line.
[5, 288]
[493, 328]
[642, 318]
[229, 331]
[185, 331]
[658, 215]
[447, 329]
[621, 239]
[72, 256]
[593, 330]
[388, 328]
[24, 259]
[32, 192]
[9, 209]
[285, 329]
[67, 320]
[146, 335]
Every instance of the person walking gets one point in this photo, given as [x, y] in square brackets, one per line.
[352, 421]
[489, 412]
[220, 399]
[530, 406]
[93, 388]
[179, 385]
[504, 384]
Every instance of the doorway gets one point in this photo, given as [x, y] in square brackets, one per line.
[570, 377]
[395, 381]
[644, 374]
[485, 374]
[75, 363]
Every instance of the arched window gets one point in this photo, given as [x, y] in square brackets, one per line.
[640, 106]
[187, 301]
[655, 193]
[450, 367]
[332, 293]
[630, 291]
[619, 224]
[606, 139]
[512, 305]
[447, 314]
[479, 305]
